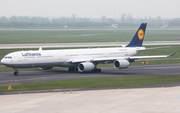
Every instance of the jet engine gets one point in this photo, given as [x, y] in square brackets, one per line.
[45, 68]
[121, 64]
[86, 66]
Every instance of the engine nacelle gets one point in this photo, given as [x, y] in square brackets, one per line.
[86, 66]
[45, 68]
[121, 64]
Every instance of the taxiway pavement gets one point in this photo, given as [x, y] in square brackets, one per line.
[140, 100]
[35, 76]
[162, 98]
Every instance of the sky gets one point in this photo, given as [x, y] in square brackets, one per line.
[91, 8]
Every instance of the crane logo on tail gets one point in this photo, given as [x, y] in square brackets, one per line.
[140, 34]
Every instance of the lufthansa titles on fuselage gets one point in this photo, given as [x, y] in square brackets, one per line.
[30, 54]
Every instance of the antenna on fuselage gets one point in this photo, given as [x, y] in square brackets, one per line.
[40, 48]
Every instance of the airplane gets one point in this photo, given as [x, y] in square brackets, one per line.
[81, 60]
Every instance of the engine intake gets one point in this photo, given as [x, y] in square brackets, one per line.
[121, 64]
[86, 66]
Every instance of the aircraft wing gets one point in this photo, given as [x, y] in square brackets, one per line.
[140, 57]
[118, 58]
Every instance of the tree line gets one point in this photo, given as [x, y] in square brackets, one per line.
[65, 22]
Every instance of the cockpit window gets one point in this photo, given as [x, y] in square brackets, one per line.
[8, 57]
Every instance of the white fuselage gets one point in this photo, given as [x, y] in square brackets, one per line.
[63, 58]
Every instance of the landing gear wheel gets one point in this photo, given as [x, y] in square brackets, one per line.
[16, 73]
[73, 69]
[99, 70]
[76, 69]
[96, 70]
[70, 69]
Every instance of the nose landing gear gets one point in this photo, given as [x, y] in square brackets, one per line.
[16, 73]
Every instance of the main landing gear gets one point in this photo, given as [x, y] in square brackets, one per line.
[16, 73]
[96, 70]
[73, 69]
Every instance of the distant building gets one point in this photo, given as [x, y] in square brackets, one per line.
[164, 26]
[114, 26]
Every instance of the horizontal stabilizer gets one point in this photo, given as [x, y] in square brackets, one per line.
[157, 47]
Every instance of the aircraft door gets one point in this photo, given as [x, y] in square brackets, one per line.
[105, 53]
[19, 58]
[59, 57]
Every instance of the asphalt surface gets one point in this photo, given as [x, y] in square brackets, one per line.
[100, 44]
[142, 99]
[36, 76]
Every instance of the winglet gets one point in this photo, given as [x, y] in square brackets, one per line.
[173, 53]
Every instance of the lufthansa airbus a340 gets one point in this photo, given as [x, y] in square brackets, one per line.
[82, 60]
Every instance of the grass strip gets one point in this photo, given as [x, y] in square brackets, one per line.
[94, 83]
[81, 36]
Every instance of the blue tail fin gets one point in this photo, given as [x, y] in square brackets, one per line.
[137, 40]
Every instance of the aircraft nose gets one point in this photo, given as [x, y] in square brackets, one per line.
[3, 61]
